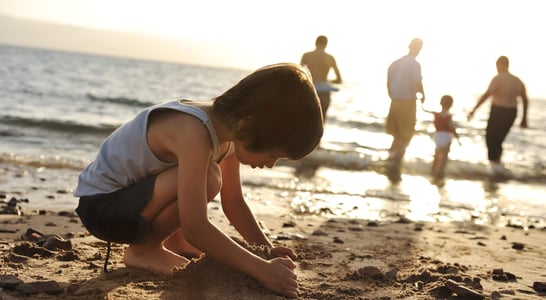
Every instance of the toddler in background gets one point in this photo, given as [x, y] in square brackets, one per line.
[445, 130]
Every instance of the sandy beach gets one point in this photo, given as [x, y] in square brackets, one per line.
[47, 254]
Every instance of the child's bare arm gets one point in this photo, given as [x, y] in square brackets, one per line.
[454, 131]
[234, 206]
[426, 110]
[238, 212]
[276, 275]
[456, 134]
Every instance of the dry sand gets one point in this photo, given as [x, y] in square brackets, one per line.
[338, 259]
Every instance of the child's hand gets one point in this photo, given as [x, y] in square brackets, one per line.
[280, 251]
[280, 278]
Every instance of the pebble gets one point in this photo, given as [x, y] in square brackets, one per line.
[539, 286]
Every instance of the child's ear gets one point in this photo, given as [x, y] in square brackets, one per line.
[244, 122]
[242, 130]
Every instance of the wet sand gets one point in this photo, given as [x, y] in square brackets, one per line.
[338, 258]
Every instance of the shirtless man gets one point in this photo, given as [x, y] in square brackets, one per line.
[505, 90]
[319, 64]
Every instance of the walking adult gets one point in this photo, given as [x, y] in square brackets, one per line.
[404, 82]
[505, 89]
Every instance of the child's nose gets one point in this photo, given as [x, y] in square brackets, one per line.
[271, 163]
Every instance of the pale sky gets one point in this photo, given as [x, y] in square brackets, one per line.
[462, 38]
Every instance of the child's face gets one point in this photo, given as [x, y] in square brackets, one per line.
[257, 160]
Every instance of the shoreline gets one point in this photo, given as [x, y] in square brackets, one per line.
[309, 188]
[338, 258]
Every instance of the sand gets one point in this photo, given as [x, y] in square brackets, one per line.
[338, 258]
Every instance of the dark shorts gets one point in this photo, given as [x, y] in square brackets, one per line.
[499, 123]
[115, 217]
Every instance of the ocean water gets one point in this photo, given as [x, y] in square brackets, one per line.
[57, 107]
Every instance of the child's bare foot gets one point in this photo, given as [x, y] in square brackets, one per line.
[178, 244]
[154, 259]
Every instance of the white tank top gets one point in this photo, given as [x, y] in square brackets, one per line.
[125, 156]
